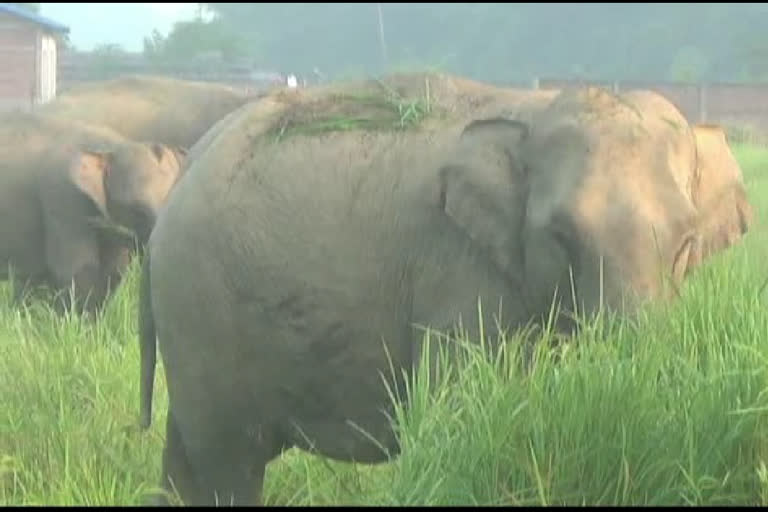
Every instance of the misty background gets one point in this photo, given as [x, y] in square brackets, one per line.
[683, 42]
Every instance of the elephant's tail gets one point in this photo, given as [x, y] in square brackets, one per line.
[147, 343]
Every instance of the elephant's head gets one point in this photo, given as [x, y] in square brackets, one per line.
[580, 202]
[718, 191]
[664, 121]
[129, 182]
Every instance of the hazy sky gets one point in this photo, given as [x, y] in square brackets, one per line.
[124, 24]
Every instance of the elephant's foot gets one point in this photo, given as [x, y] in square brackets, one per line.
[223, 468]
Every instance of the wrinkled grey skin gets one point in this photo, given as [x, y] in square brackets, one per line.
[278, 271]
[64, 189]
[304, 273]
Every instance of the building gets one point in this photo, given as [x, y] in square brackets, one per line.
[28, 57]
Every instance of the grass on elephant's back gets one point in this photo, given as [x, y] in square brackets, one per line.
[385, 111]
[666, 410]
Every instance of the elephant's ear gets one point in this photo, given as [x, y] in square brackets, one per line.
[88, 171]
[483, 190]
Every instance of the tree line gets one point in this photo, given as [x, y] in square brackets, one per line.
[501, 42]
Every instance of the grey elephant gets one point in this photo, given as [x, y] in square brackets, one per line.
[75, 201]
[280, 305]
[165, 110]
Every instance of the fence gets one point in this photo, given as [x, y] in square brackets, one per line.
[724, 103]
[743, 105]
[76, 68]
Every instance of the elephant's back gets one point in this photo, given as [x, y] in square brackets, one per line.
[331, 189]
[253, 214]
[156, 109]
[31, 132]
[286, 279]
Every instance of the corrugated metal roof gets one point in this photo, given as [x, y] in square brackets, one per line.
[15, 10]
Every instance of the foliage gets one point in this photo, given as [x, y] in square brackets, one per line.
[689, 65]
[386, 111]
[668, 409]
[105, 59]
[507, 41]
[195, 39]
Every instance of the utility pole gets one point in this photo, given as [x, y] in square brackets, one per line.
[381, 36]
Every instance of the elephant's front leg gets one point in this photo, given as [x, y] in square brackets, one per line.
[73, 259]
[28, 288]
[114, 260]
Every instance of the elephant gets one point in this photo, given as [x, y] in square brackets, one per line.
[672, 129]
[637, 229]
[165, 110]
[705, 170]
[316, 261]
[75, 200]
[719, 192]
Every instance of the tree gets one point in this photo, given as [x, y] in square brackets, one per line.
[107, 60]
[755, 61]
[689, 65]
[153, 45]
[190, 39]
[506, 42]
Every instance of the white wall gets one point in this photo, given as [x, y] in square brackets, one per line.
[47, 68]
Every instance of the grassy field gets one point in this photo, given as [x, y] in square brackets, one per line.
[669, 409]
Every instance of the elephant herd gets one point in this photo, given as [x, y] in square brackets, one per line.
[78, 171]
[283, 275]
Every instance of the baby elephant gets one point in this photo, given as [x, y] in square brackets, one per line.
[75, 200]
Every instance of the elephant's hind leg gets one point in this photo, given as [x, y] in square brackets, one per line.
[216, 464]
[26, 289]
[178, 480]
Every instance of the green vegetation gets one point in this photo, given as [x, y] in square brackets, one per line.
[667, 409]
[384, 110]
[194, 38]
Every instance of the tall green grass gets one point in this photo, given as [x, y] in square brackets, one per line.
[669, 408]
